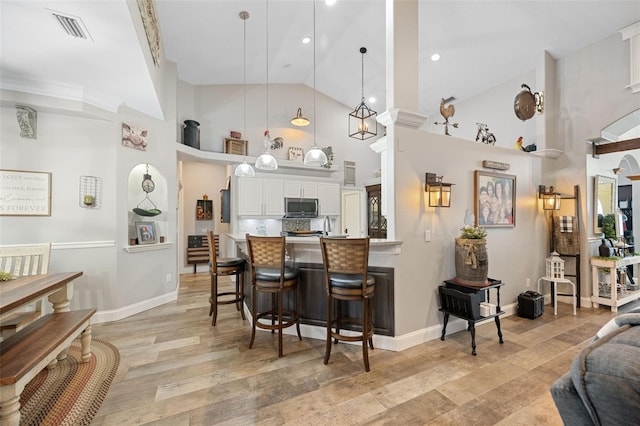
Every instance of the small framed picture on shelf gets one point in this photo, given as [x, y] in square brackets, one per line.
[146, 232]
[296, 154]
[495, 199]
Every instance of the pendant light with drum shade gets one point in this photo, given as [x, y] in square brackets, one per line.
[315, 156]
[244, 169]
[267, 161]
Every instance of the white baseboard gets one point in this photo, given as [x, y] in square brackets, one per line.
[117, 314]
[398, 343]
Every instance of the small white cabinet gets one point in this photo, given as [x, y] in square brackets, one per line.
[329, 199]
[300, 189]
[608, 295]
[260, 197]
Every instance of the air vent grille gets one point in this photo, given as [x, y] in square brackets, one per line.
[72, 25]
[349, 172]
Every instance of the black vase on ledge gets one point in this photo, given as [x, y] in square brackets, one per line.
[191, 134]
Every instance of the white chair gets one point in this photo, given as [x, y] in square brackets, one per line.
[555, 275]
[20, 261]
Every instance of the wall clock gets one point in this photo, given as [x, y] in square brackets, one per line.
[526, 103]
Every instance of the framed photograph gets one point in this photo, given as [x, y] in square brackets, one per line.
[25, 193]
[296, 154]
[494, 199]
[204, 210]
[146, 233]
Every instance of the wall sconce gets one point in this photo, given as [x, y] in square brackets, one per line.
[550, 199]
[439, 192]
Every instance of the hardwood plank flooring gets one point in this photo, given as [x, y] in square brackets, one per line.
[176, 369]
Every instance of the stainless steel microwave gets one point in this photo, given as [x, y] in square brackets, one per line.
[300, 207]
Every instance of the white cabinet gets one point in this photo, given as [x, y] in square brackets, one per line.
[329, 199]
[260, 197]
[300, 189]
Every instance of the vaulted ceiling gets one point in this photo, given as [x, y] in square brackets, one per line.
[482, 44]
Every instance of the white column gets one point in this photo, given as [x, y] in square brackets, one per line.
[402, 70]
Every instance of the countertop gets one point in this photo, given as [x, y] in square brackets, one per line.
[374, 242]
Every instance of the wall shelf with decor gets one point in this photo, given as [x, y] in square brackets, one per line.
[548, 153]
[187, 153]
[147, 247]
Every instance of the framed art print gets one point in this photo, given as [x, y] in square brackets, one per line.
[146, 232]
[494, 199]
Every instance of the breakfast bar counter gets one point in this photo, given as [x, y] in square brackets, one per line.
[304, 253]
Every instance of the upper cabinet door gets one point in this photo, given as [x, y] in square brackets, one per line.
[329, 199]
[249, 197]
[273, 199]
[300, 189]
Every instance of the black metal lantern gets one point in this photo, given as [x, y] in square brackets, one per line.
[362, 120]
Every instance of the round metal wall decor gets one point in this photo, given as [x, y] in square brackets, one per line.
[525, 104]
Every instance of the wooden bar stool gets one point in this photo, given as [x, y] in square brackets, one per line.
[222, 267]
[270, 275]
[345, 264]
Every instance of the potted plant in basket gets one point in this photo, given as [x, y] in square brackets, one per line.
[471, 259]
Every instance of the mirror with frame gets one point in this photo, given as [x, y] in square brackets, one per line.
[604, 199]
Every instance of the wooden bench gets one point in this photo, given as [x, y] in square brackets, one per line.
[198, 250]
[40, 344]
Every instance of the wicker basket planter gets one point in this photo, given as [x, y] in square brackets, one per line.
[471, 261]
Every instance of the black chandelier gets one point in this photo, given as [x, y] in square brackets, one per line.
[362, 120]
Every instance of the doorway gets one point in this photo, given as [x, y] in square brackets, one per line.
[353, 213]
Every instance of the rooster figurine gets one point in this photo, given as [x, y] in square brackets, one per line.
[529, 148]
[447, 112]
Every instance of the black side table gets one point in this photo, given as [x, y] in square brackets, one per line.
[463, 301]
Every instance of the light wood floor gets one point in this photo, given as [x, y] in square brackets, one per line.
[176, 369]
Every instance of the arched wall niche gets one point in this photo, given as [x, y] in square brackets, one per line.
[144, 207]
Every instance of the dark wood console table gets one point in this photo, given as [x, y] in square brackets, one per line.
[463, 301]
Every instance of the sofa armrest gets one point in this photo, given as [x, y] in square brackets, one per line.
[569, 403]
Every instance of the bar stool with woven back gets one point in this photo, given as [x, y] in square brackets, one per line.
[222, 267]
[346, 264]
[270, 275]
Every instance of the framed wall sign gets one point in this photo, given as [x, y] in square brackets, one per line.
[24, 193]
[495, 199]
[204, 210]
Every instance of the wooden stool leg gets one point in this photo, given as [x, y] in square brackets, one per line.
[365, 333]
[298, 311]
[327, 352]
[255, 316]
[280, 324]
[242, 295]
[214, 298]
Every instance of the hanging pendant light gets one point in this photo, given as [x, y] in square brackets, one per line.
[300, 120]
[267, 161]
[315, 156]
[362, 120]
[244, 169]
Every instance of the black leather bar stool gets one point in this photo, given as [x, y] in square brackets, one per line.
[221, 267]
[345, 264]
[270, 275]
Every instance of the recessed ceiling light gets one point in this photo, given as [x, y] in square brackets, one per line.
[435, 57]
[329, 2]
[306, 40]
[372, 99]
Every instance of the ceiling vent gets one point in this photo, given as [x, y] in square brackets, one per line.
[72, 25]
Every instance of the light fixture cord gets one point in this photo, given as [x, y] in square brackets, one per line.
[365, 51]
[244, 16]
[315, 118]
[267, 61]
